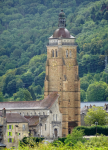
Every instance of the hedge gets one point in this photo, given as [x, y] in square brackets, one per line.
[91, 130]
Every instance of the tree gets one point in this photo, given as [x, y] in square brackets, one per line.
[1, 97]
[11, 87]
[84, 85]
[39, 80]
[96, 91]
[22, 95]
[30, 89]
[83, 95]
[27, 78]
[96, 114]
[74, 137]
[38, 89]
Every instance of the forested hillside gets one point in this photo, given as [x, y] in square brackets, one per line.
[25, 26]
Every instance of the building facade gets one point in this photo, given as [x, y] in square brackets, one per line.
[44, 118]
[62, 75]
[14, 128]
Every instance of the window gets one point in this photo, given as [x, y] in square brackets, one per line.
[52, 53]
[10, 127]
[10, 133]
[66, 53]
[45, 127]
[56, 53]
[10, 140]
[23, 126]
[43, 113]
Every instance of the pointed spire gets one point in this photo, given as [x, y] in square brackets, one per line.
[62, 21]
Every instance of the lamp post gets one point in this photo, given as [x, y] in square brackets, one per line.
[96, 123]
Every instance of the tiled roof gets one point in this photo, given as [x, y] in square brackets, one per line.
[43, 104]
[15, 117]
[33, 120]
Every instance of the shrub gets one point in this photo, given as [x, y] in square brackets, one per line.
[74, 137]
[91, 130]
[30, 141]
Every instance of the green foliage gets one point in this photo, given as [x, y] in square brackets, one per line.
[96, 91]
[83, 95]
[91, 130]
[39, 80]
[30, 141]
[62, 139]
[38, 89]
[27, 79]
[98, 143]
[96, 114]
[24, 30]
[22, 95]
[32, 93]
[1, 97]
[74, 137]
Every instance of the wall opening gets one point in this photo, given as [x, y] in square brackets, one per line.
[56, 54]
[55, 132]
[52, 53]
[66, 53]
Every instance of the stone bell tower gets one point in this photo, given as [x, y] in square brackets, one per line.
[62, 75]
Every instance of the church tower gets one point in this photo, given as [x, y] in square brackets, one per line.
[62, 75]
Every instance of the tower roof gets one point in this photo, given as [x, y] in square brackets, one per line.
[62, 14]
[61, 31]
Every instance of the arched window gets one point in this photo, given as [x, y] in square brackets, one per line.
[70, 53]
[52, 53]
[43, 113]
[56, 54]
[35, 113]
[66, 53]
[27, 113]
[56, 117]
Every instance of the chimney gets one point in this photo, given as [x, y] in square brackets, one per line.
[4, 112]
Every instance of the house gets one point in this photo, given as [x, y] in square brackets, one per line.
[14, 128]
[85, 109]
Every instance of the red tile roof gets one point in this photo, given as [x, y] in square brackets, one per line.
[15, 118]
[43, 104]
